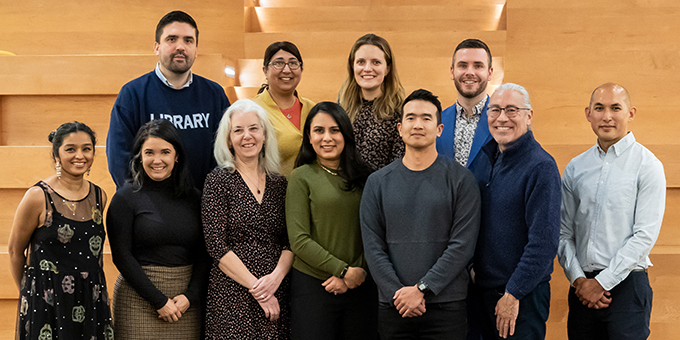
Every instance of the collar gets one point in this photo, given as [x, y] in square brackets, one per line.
[476, 110]
[619, 147]
[165, 81]
[513, 148]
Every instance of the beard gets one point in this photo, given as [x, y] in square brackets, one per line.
[470, 94]
[177, 67]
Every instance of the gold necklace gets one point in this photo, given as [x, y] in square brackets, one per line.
[334, 173]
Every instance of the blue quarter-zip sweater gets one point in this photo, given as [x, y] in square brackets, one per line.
[520, 224]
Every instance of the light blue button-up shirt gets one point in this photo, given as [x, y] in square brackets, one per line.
[165, 81]
[612, 207]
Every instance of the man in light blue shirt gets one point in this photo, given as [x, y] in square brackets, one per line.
[613, 200]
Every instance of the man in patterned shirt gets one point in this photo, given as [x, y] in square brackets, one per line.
[464, 135]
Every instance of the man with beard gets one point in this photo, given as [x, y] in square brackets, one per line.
[192, 103]
[465, 128]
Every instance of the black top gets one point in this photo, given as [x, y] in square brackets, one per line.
[152, 227]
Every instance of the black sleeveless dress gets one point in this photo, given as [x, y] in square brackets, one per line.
[63, 292]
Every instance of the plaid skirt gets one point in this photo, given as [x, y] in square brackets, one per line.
[135, 318]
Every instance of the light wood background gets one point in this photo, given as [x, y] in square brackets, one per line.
[71, 58]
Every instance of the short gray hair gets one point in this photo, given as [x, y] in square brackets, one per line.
[269, 159]
[514, 87]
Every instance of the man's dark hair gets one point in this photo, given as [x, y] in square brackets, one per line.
[175, 16]
[424, 95]
[473, 43]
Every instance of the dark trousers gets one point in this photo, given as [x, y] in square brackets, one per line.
[319, 315]
[440, 321]
[627, 316]
[533, 312]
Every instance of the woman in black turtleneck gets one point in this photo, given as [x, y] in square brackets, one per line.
[154, 226]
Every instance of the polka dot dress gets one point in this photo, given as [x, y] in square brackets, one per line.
[63, 291]
[233, 220]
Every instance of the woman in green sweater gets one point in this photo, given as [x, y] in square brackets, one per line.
[333, 297]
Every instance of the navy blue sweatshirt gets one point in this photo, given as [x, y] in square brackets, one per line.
[195, 111]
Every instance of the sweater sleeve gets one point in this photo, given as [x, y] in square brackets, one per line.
[462, 238]
[542, 216]
[119, 222]
[122, 130]
[298, 217]
[374, 238]
[215, 212]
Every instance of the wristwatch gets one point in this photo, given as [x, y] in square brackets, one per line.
[423, 287]
[343, 272]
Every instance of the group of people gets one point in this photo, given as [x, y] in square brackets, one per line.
[379, 216]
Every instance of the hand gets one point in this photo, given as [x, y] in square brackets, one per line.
[335, 285]
[591, 293]
[409, 301]
[271, 308]
[472, 275]
[418, 311]
[265, 287]
[169, 312]
[506, 312]
[354, 277]
[181, 302]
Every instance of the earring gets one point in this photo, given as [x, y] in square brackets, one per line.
[88, 172]
[58, 167]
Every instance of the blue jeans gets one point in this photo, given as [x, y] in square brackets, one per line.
[627, 316]
[440, 321]
[533, 312]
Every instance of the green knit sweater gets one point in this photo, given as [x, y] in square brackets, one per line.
[323, 223]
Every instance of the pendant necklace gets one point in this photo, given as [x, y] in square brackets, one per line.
[250, 179]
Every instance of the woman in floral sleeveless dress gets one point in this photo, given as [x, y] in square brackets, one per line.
[59, 221]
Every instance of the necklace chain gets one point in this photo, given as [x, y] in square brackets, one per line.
[334, 173]
[250, 179]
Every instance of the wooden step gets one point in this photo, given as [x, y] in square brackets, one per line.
[28, 119]
[120, 27]
[90, 74]
[23, 166]
[371, 3]
[403, 43]
[454, 17]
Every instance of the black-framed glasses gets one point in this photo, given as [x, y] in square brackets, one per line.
[510, 111]
[280, 64]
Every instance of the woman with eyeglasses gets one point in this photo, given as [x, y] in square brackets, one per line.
[286, 110]
[372, 95]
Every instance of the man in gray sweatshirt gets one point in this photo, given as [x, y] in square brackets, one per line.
[419, 220]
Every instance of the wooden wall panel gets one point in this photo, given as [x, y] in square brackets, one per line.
[404, 44]
[460, 16]
[562, 51]
[44, 27]
[28, 119]
[17, 173]
[341, 3]
[84, 74]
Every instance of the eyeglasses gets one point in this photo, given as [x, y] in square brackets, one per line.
[510, 111]
[280, 64]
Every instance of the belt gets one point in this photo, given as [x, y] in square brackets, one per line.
[590, 275]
